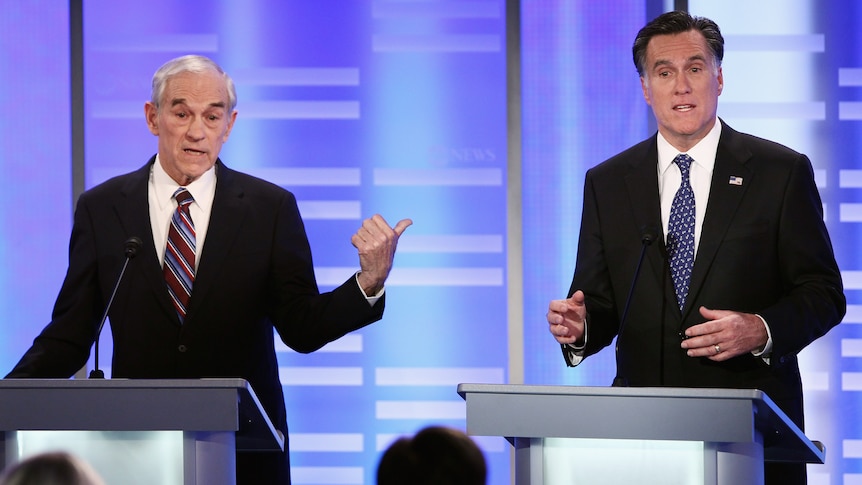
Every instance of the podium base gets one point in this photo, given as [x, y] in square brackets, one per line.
[573, 461]
[138, 457]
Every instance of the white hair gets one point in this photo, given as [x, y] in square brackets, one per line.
[190, 63]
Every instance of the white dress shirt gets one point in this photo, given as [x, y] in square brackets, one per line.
[162, 206]
[700, 176]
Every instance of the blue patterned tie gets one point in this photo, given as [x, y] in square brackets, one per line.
[680, 234]
[179, 267]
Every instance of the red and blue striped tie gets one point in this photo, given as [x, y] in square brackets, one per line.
[179, 267]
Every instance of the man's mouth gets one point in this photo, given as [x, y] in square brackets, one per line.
[683, 107]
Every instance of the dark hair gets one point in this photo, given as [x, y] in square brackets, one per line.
[51, 468]
[677, 22]
[436, 455]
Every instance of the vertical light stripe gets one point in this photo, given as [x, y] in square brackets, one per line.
[301, 110]
[853, 315]
[421, 410]
[401, 276]
[436, 376]
[320, 376]
[815, 381]
[350, 343]
[851, 347]
[849, 110]
[851, 449]
[388, 9]
[849, 479]
[349, 210]
[295, 76]
[776, 43]
[452, 177]
[417, 43]
[821, 178]
[819, 478]
[309, 177]
[327, 475]
[850, 212]
[326, 442]
[456, 243]
[852, 280]
[160, 43]
[851, 381]
[848, 76]
[453, 277]
[850, 179]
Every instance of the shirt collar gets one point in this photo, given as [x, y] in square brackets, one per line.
[202, 189]
[703, 153]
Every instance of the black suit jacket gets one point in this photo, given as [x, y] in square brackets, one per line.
[763, 249]
[255, 274]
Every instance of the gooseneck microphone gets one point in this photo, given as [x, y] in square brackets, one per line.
[130, 248]
[648, 236]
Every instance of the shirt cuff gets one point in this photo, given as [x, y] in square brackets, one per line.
[370, 299]
[767, 349]
[575, 353]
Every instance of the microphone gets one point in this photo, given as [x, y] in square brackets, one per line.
[648, 236]
[130, 249]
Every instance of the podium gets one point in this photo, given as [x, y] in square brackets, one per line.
[680, 436]
[183, 431]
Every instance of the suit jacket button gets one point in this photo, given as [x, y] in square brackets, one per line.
[182, 348]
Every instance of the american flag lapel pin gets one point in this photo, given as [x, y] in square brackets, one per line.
[734, 180]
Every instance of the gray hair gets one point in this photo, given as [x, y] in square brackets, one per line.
[190, 63]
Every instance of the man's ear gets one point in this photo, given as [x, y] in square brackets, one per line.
[151, 113]
[230, 121]
[645, 91]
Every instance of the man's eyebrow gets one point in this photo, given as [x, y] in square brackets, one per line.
[216, 104]
[666, 62]
[661, 62]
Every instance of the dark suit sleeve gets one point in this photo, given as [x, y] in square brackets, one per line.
[305, 319]
[63, 347]
[593, 276]
[813, 300]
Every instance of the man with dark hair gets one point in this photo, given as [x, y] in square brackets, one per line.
[436, 455]
[51, 468]
[744, 276]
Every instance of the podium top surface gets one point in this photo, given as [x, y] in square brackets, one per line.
[653, 392]
[220, 383]
[199, 405]
[650, 413]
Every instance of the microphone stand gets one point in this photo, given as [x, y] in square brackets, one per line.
[647, 239]
[131, 250]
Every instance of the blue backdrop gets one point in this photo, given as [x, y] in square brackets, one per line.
[399, 108]
[792, 73]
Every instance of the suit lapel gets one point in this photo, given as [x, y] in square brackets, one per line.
[228, 211]
[642, 186]
[133, 212]
[724, 199]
